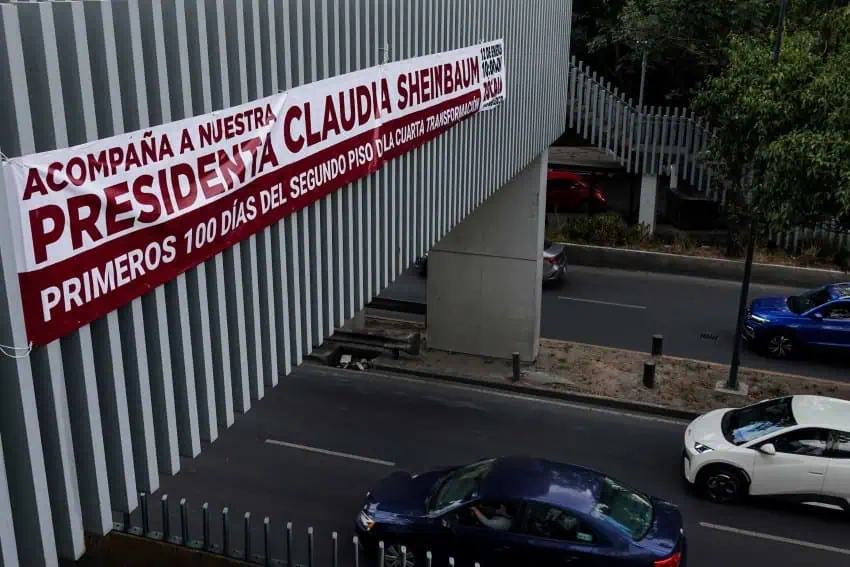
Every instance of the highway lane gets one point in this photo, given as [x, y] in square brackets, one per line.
[335, 433]
[623, 309]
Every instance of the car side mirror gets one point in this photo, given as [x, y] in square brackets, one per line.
[768, 449]
[449, 521]
[817, 316]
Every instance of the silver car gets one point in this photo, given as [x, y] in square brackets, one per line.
[554, 263]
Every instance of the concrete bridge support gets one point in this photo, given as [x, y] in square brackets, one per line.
[484, 277]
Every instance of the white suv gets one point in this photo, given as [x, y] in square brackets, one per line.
[797, 447]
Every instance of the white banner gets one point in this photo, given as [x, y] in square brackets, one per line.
[100, 224]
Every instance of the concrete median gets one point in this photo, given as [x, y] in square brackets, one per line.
[716, 268]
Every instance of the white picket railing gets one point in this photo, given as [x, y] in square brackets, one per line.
[651, 141]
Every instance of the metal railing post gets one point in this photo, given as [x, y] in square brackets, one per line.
[166, 519]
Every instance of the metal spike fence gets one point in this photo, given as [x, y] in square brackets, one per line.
[277, 545]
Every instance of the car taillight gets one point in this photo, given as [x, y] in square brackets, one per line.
[672, 561]
[549, 260]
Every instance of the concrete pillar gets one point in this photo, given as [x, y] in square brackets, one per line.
[484, 277]
[648, 196]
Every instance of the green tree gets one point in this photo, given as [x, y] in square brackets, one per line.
[783, 131]
[686, 40]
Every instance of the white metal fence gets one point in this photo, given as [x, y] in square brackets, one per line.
[648, 141]
[90, 420]
[651, 141]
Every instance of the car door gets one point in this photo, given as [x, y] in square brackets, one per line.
[837, 482]
[833, 329]
[559, 538]
[798, 467]
[475, 541]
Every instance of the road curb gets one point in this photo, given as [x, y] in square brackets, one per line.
[589, 399]
[697, 266]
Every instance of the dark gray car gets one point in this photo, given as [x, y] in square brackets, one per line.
[554, 263]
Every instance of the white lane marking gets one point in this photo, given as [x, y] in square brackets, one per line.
[801, 543]
[331, 453]
[597, 302]
[510, 396]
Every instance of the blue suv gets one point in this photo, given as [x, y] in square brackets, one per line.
[819, 318]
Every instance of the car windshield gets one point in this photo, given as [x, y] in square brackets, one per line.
[747, 424]
[458, 486]
[808, 300]
[625, 509]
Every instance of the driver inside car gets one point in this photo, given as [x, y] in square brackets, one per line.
[499, 519]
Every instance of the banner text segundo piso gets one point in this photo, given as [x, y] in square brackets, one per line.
[100, 224]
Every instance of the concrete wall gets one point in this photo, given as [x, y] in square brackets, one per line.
[484, 277]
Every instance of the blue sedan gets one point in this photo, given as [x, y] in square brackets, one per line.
[519, 511]
[782, 326]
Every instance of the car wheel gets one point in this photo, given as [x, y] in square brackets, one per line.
[722, 484]
[781, 344]
[394, 557]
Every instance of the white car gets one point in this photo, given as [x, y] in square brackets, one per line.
[796, 447]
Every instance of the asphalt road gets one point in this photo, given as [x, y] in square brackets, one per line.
[623, 309]
[274, 462]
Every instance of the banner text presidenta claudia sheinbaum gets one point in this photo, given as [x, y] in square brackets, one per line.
[99, 224]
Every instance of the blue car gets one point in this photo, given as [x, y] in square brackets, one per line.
[782, 326]
[519, 511]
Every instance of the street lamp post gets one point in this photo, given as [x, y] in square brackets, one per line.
[732, 382]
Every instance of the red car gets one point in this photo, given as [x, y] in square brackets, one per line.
[568, 192]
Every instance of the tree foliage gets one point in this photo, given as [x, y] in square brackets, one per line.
[685, 40]
[783, 131]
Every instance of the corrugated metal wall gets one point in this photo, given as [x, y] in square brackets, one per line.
[91, 420]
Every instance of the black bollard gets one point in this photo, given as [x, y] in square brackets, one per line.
[247, 536]
[356, 541]
[225, 531]
[649, 374]
[127, 522]
[288, 544]
[205, 514]
[166, 519]
[515, 360]
[310, 546]
[267, 553]
[184, 522]
[657, 345]
[145, 514]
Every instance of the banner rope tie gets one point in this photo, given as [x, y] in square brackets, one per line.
[8, 351]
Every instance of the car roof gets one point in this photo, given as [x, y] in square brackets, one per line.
[821, 411]
[562, 174]
[523, 478]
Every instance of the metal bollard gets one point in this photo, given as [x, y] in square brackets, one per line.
[657, 345]
[225, 531]
[404, 555]
[310, 546]
[184, 522]
[356, 541]
[289, 544]
[335, 550]
[247, 536]
[267, 553]
[145, 514]
[451, 562]
[381, 554]
[429, 559]
[166, 519]
[649, 374]
[515, 360]
[205, 514]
